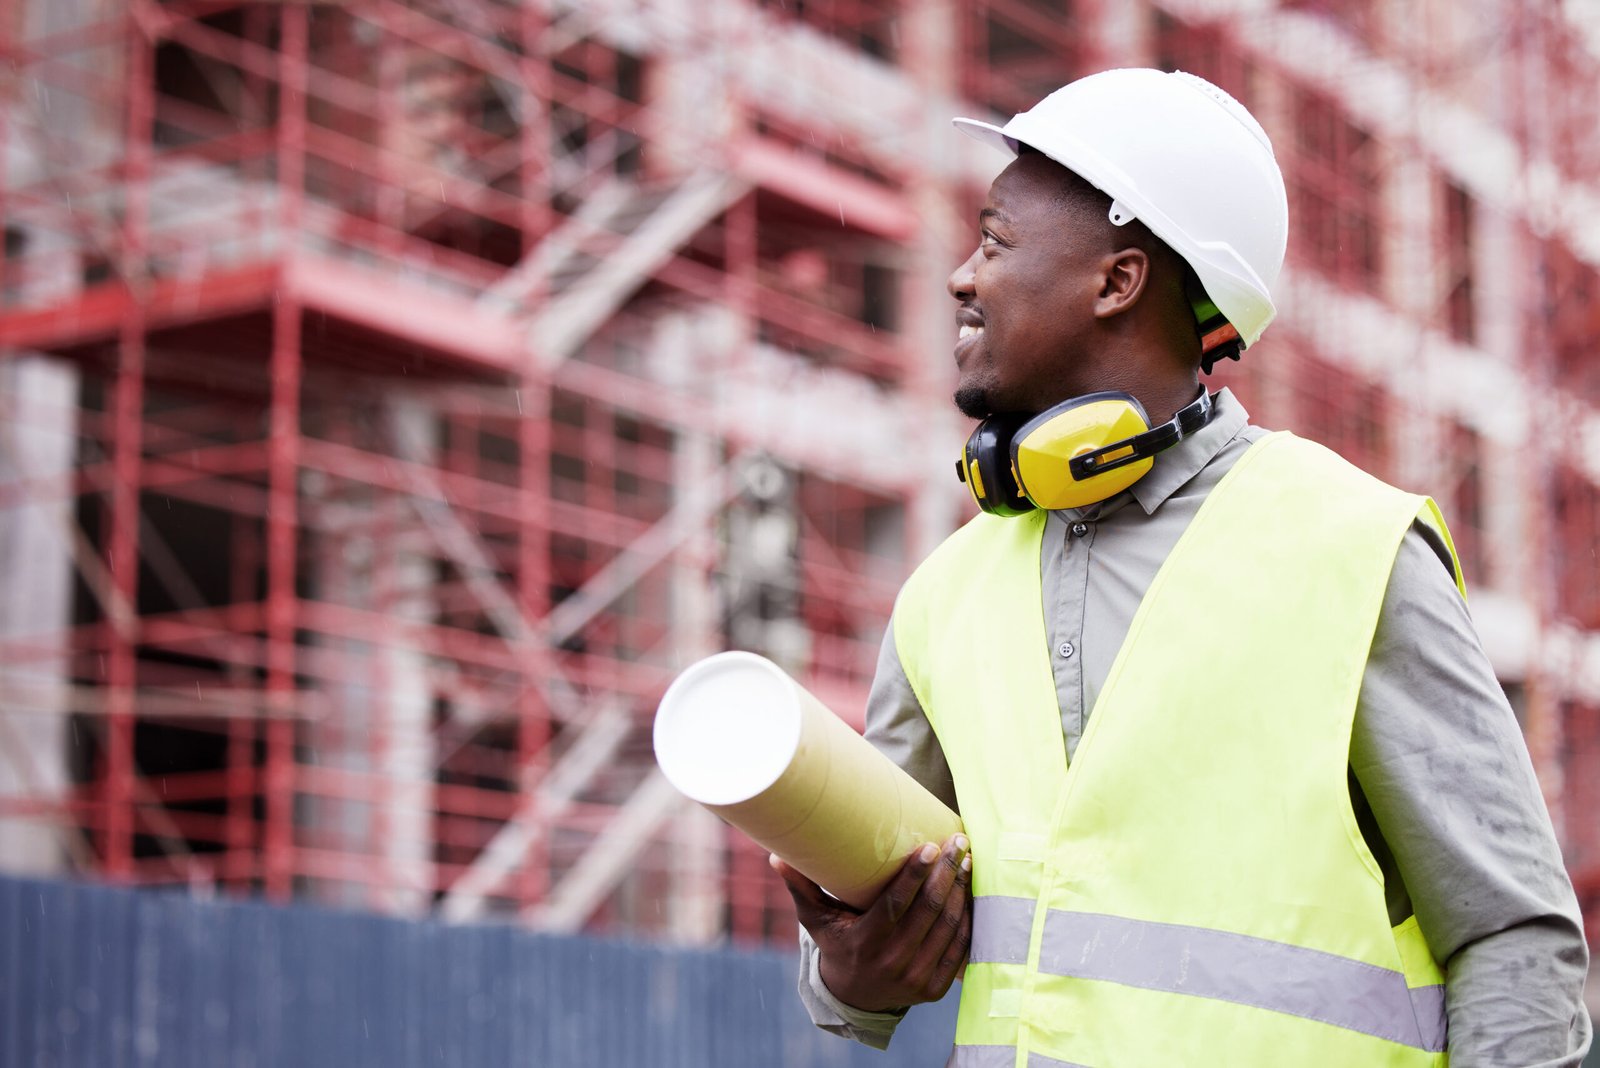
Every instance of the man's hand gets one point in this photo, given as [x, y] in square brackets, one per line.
[907, 947]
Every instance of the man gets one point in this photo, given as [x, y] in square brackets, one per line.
[1240, 785]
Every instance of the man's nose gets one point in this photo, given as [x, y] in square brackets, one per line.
[961, 281]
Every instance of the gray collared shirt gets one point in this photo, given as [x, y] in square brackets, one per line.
[1440, 776]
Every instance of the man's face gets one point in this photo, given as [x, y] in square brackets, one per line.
[1027, 295]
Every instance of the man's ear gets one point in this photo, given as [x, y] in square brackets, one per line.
[1123, 276]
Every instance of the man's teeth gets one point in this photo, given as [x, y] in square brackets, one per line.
[968, 331]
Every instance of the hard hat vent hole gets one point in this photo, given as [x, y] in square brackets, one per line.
[1221, 96]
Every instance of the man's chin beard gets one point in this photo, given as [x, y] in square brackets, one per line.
[973, 402]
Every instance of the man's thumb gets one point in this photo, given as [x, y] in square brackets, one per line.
[810, 900]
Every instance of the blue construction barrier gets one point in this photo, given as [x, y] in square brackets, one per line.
[103, 978]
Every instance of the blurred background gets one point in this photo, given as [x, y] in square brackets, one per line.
[395, 395]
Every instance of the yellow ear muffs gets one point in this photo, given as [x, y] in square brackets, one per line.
[1093, 447]
[1099, 428]
[1078, 453]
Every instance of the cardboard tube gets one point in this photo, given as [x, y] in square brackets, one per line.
[738, 735]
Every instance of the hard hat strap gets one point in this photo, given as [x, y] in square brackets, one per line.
[1222, 344]
[1219, 339]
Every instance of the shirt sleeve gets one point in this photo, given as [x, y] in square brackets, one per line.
[1441, 761]
[896, 725]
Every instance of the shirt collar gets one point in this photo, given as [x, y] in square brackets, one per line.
[1177, 465]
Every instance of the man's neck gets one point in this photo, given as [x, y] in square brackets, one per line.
[1161, 405]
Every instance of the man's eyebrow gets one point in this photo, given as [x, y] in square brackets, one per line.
[992, 213]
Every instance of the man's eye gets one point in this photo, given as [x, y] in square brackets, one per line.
[986, 240]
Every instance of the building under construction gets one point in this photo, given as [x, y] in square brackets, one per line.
[397, 394]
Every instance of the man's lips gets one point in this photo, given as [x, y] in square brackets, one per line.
[969, 334]
[969, 323]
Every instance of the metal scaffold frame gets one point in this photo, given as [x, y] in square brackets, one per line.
[409, 308]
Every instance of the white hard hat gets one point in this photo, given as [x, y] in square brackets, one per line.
[1184, 158]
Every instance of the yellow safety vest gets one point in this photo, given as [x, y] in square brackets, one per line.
[1193, 889]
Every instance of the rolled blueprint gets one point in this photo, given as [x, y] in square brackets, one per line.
[737, 734]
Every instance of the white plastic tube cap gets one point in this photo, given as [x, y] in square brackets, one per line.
[728, 728]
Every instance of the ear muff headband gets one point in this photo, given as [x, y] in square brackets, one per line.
[1075, 454]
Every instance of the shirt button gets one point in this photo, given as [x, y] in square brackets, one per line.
[1066, 650]
[1080, 529]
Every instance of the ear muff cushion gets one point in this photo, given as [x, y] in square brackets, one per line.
[987, 462]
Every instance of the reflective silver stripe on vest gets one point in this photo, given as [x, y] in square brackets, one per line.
[1039, 1060]
[982, 1057]
[1000, 1057]
[1247, 970]
[1428, 1001]
[1001, 929]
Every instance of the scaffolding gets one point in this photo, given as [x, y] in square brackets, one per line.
[398, 394]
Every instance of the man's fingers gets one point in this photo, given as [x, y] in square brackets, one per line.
[945, 906]
[954, 957]
[920, 921]
[902, 889]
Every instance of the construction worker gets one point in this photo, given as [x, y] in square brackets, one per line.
[1239, 782]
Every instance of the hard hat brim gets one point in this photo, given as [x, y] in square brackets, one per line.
[987, 133]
